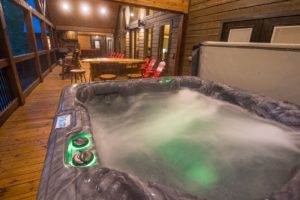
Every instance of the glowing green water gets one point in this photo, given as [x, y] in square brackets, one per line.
[194, 143]
[193, 167]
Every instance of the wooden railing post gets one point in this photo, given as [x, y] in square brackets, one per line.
[53, 43]
[45, 43]
[16, 85]
[32, 43]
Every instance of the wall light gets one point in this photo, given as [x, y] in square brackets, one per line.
[85, 9]
[66, 6]
[103, 10]
[131, 14]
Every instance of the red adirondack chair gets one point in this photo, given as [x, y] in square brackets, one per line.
[149, 69]
[161, 67]
[145, 65]
[112, 55]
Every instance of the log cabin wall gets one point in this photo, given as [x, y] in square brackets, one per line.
[154, 22]
[158, 19]
[206, 18]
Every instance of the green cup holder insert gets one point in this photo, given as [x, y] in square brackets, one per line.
[80, 142]
[83, 158]
[79, 151]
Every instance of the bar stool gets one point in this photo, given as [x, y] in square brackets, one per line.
[78, 73]
[108, 77]
[134, 76]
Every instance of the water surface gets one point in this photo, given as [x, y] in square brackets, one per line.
[189, 141]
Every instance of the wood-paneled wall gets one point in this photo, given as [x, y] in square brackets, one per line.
[155, 21]
[206, 18]
[84, 41]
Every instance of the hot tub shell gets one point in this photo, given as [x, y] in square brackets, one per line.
[60, 181]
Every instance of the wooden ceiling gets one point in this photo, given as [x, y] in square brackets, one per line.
[95, 22]
[170, 5]
[75, 20]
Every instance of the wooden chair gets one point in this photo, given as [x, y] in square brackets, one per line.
[78, 73]
[70, 63]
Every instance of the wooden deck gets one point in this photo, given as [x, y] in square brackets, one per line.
[23, 139]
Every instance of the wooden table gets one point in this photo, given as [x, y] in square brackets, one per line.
[128, 61]
[117, 61]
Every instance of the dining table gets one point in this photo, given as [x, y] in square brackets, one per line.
[111, 62]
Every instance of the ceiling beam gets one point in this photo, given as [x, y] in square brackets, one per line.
[180, 6]
[85, 29]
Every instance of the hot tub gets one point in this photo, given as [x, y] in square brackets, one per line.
[171, 138]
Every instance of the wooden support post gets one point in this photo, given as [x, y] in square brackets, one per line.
[45, 43]
[15, 81]
[180, 45]
[32, 43]
[53, 43]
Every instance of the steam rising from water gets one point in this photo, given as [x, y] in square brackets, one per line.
[192, 142]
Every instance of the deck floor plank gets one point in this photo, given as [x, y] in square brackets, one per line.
[24, 137]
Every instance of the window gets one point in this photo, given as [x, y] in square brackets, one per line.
[274, 30]
[164, 42]
[110, 44]
[286, 34]
[43, 6]
[38, 33]
[15, 21]
[149, 12]
[241, 31]
[240, 35]
[97, 44]
[49, 37]
[27, 73]
[134, 14]
[134, 43]
[148, 42]
[31, 3]
[96, 40]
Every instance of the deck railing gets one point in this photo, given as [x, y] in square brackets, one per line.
[25, 56]
[5, 93]
[44, 63]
